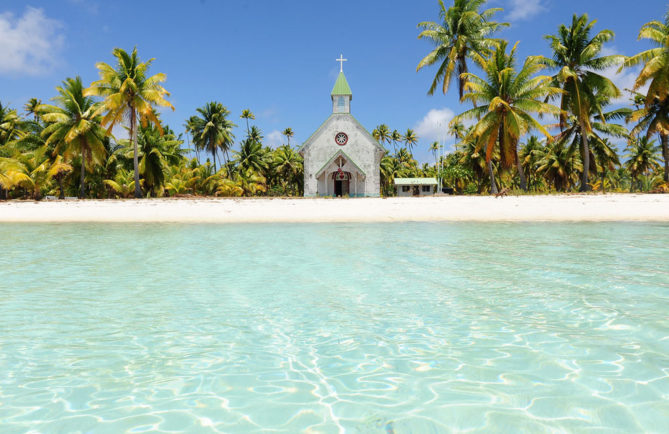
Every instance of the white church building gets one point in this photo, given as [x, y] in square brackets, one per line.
[341, 158]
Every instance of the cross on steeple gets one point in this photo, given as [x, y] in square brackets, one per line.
[341, 61]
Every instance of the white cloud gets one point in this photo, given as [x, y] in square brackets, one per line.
[274, 139]
[29, 44]
[434, 125]
[625, 80]
[525, 9]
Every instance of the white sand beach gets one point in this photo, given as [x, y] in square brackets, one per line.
[591, 207]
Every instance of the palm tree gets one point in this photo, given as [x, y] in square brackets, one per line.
[529, 157]
[434, 148]
[129, 94]
[74, 127]
[288, 132]
[642, 157]
[463, 33]
[410, 139]
[31, 107]
[509, 96]
[558, 164]
[395, 136]
[10, 125]
[575, 55]
[656, 70]
[288, 165]
[251, 156]
[382, 134]
[601, 154]
[212, 130]
[247, 114]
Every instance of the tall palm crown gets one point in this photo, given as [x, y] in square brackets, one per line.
[10, 125]
[288, 132]
[212, 130]
[410, 139]
[509, 96]
[247, 114]
[129, 94]
[576, 56]
[31, 107]
[382, 134]
[463, 33]
[74, 126]
[654, 116]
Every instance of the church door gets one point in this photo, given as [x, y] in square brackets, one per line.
[341, 188]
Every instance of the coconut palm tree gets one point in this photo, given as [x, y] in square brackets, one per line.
[530, 153]
[395, 136]
[129, 94]
[509, 96]
[558, 164]
[288, 132]
[31, 107]
[434, 148]
[576, 54]
[10, 125]
[654, 118]
[288, 165]
[656, 70]
[74, 127]
[212, 130]
[410, 139]
[642, 157]
[247, 114]
[251, 155]
[382, 134]
[462, 34]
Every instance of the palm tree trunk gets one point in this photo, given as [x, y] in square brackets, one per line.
[135, 157]
[665, 153]
[493, 186]
[585, 159]
[59, 180]
[82, 181]
[521, 173]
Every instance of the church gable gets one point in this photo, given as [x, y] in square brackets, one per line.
[342, 123]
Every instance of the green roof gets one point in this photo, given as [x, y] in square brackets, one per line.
[416, 181]
[341, 86]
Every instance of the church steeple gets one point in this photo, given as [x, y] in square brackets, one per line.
[341, 92]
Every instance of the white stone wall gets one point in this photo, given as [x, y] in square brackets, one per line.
[360, 148]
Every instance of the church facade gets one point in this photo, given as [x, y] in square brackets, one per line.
[341, 158]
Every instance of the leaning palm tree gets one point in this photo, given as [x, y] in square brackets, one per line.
[74, 127]
[212, 130]
[247, 114]
[463, 33]
[128, 95]
[576, 55]
[509, 96]
[288, 132]
[656, 70]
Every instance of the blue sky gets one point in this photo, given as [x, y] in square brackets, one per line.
[278, 57]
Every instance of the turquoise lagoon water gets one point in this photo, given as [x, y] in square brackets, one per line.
[390, 328]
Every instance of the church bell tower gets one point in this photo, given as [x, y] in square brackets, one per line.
[341, 92]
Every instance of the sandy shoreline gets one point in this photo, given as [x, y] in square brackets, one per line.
[609, 207]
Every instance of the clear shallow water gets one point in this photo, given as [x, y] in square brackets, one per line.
[358, 328]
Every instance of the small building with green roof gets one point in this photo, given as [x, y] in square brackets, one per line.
[341, 158]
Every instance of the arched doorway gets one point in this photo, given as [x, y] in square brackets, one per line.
[342, 183]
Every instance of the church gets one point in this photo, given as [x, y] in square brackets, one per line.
[341, 158]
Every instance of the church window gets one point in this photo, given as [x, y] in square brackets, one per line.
[341, 103]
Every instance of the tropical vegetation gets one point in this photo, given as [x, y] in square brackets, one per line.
[551, 122]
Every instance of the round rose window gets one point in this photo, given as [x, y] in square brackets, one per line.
[341, 139]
